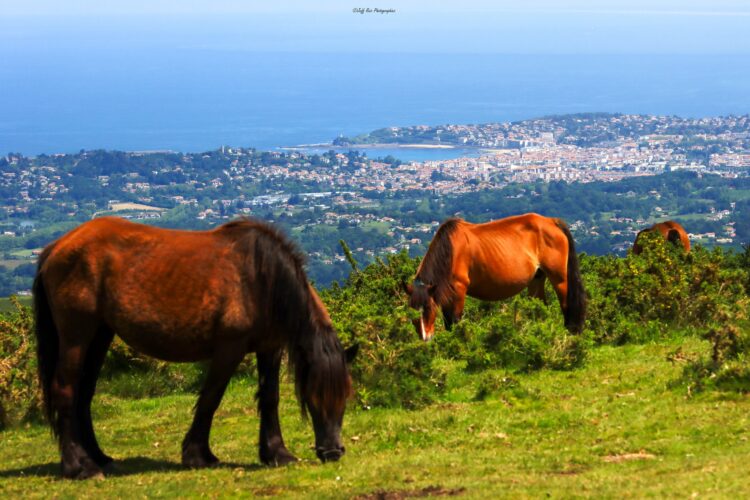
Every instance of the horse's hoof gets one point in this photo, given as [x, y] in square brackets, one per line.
[280, 458]
[199, 462]
[199, 459]
[98, 476]
[87, 469]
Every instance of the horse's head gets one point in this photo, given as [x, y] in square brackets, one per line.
[637, 248]
[324, 391]
[421, 298]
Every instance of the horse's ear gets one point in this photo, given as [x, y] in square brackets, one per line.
[351, 352]
[408, 287]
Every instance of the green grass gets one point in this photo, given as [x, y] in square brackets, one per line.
[24, 253]
[741, 194]
[380, 227]
[620, 426]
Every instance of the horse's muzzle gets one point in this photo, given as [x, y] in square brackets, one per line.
[332, 455]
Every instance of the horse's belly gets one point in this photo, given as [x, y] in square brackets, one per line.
[496, 282]
[166, 345]
[495, 291]
[173, 330]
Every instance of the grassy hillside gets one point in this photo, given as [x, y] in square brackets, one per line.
[622, 425]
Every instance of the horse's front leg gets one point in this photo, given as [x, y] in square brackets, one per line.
[449, 317]
[453, 311]
[195, 449]
[272, 448]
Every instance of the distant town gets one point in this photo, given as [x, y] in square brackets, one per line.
[583, 147]
[384, 205]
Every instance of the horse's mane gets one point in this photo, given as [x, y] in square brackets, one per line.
[284, 294]
[272, 234]
[437, 264]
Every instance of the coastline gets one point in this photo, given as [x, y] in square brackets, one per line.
[374, 146]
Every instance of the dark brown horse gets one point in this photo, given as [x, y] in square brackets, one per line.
[670, 230]
[494, 261]
[184, 296]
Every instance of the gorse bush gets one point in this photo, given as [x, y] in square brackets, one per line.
[20, 398]
[396, 368]
[392, 368]
[663, 292]
[520, 334]
[642, 297]
[727, 365]
[130, 374]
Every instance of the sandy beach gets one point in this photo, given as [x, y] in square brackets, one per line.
[373, 146]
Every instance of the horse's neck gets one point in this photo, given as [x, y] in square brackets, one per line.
[318, 311]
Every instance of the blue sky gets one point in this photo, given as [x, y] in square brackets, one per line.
[420, 26]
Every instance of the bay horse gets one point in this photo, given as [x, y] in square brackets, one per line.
[184, 296]
[494, 261]
[670, 230]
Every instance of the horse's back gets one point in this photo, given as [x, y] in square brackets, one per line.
[505, 254]
[526, 233]
[673, 231]
[148, 284]
[71, 266]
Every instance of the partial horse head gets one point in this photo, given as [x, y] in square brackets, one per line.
[323, 382]
[323, 387]
[433, 286]
[670, 230]
[637, 248]
[421, 298]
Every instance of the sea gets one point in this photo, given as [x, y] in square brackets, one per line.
[195, 100]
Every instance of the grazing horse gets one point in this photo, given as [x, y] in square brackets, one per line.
[184, 296]
[494, 261]
[670, 230]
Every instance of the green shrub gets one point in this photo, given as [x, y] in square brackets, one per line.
[643, 297]
[395, 368]
[20, 397]
[727, 366]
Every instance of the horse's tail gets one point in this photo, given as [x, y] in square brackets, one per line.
[576, 301]
[47, 344]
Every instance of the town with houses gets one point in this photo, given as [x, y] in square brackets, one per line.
[345, 188]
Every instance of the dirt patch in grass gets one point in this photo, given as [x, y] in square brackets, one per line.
[428, 491]
[626, 457]
[268, 491]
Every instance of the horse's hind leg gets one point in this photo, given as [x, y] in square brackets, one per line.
[87, 386]
[195, 449]
[536, 286]
[560, 285]
[75, 461]
[272, 448]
